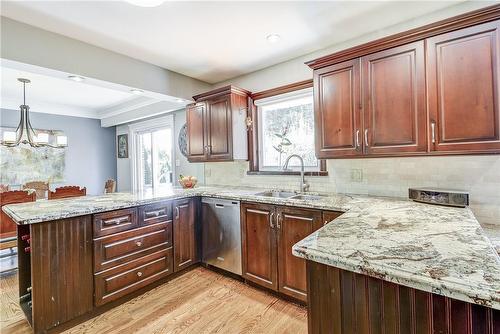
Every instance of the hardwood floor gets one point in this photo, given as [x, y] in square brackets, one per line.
[199, 301]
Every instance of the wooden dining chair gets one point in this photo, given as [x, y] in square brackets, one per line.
[40, 187]
[4, 188]
[110, 186]
[8, 229]
[67, 191]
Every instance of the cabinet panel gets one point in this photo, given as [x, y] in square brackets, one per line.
[155, 213]
[394, 100]
[220, 138]
[185, 233]
[110, 222]
[259, 244]
[328, 216]
[294, 225]
[463, 89]
[196, 132]
[337, 110]
[61, 271]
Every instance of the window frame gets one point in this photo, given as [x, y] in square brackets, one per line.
[253, 131]
[146, 126]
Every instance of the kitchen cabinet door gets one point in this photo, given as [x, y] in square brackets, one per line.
[219, 123]
[337, 110]
[196, 132]
[185, 230]
[394, 101]
[293, 225]
[259, 244]
[328, 216]
[463, 92]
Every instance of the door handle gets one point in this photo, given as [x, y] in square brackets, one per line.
[278, 217]
[271, 220]
[177, 214]
[357, 139]
[433, 132]
[366, 138]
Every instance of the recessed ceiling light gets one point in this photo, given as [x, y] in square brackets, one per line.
[136, 91]
[76, 78]
[273, 38]
[145, 3]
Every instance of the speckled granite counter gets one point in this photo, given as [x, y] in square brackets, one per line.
[431, 248]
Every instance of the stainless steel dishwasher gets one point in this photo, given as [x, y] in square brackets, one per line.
[221, 234]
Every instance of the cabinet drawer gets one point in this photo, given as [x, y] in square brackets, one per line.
[122, 280]
[114, 221]
[113, 250]
[155, 213]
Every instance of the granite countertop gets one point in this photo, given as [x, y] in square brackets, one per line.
[432, 248]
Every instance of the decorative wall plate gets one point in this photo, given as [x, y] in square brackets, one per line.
[182, 141]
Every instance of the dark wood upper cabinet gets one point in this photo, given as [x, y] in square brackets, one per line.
[429, 91]
[293, 225]
[196, 132]
[462, 74]
[337, 110]
[219, 135]
[394, 100]
[216, 126]
[185, 231]
[259, 244]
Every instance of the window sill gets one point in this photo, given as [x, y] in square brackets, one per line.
[272, 172]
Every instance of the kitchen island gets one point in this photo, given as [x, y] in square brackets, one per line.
[392, 250]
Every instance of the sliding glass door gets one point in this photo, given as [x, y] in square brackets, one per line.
[154, 155]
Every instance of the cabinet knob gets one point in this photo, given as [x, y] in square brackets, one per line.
[139, 274]
[138, 243]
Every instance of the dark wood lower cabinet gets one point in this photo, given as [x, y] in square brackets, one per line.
[294, 224]
[259, 244]
[185, 231]
[61, 272]
[268, 234]
[343, 302]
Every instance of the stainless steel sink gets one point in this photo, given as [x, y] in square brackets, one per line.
[308, 197]
[276, 194]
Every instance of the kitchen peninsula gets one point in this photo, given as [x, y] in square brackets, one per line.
[429, 259]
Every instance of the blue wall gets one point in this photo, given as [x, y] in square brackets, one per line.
[90, 155]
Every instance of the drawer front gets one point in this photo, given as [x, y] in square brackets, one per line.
[116, 249]
[107, 223]
[155, 213]
[122, 280]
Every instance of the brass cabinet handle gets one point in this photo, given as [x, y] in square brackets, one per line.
[139, 274]
[271, 220]
[278, 225]
[366, 138]
[357, 139]
[433, 132]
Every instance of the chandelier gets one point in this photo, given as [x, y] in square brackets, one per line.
[24, 134]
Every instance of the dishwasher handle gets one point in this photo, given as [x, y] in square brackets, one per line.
[220, 206]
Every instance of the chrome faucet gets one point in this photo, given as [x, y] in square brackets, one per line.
[303, 185]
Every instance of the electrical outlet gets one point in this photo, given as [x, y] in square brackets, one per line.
[356, 175]
[177, 163]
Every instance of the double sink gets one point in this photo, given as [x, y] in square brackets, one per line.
[290, 195]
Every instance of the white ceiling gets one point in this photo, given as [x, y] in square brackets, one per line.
[215, 41]
[52, 92]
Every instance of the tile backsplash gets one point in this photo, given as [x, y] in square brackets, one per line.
[479, 175]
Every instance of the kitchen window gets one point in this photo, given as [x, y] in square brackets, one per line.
[152, 149]
[285, 126]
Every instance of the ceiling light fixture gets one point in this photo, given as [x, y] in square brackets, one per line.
[136, 91]
[24, 134]
[273, 38]
[76, 78]
[145, 3]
